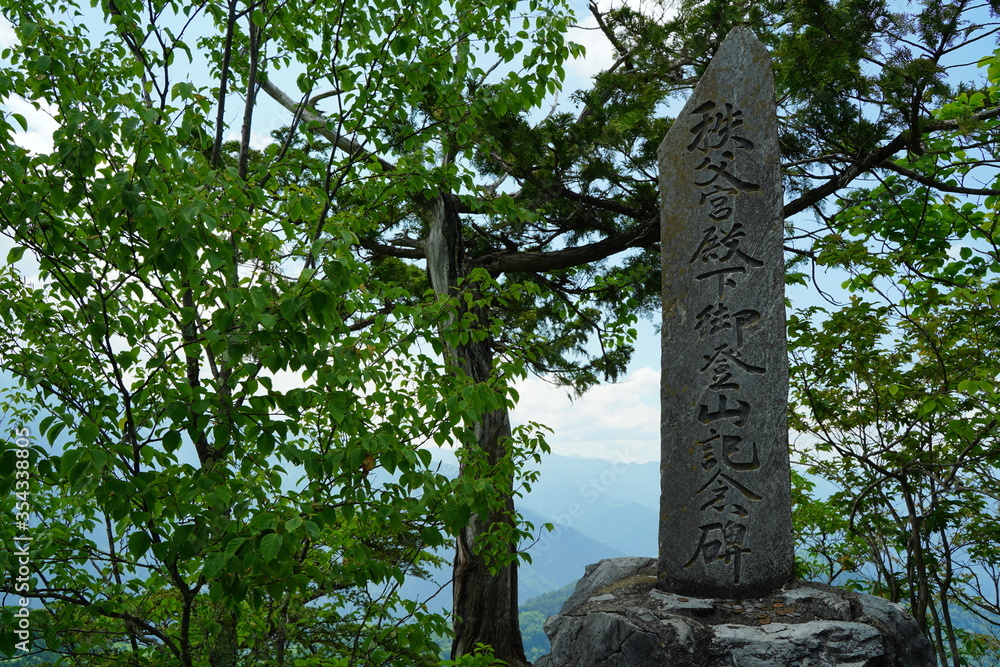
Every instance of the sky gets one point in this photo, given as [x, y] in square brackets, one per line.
[617, 421]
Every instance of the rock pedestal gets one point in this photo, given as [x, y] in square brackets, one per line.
[617, 618]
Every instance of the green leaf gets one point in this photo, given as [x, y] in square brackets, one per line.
[214, 565]
[270, 545]
[87, 433]
[171, 440]
[138, 544]
[233, 546]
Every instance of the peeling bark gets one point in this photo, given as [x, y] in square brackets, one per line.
[485, 605]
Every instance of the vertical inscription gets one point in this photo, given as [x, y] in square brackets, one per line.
[716, 139]
[725, 523]
[720, 256]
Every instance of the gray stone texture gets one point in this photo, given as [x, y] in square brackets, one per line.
[823, 603]
[629, 623]
[725, 519]
[604, 573]
[814, 643]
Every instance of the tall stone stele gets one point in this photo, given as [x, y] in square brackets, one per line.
[725, 507]
[725, 519]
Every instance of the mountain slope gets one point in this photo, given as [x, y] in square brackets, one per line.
[558, 558]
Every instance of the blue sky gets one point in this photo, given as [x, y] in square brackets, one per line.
[619, 421]
[613, 421]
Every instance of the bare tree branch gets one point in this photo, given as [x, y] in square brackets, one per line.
[345, 144]
[880, 158]
[937, 185]
[646, 234]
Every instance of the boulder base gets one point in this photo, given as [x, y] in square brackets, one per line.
[618, 618]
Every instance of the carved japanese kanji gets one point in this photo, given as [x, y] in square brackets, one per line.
[725, 520]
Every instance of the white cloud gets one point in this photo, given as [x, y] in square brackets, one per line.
[258, 140]
[612, 421]
[41, 124]
[8, 37]
[955, 251]
[600, 53]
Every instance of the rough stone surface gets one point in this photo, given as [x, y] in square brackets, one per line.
[627, 622]
[822, 603]
[603, 574]
[892, 619]
[814, 643]
[725, 517]
[673, 602]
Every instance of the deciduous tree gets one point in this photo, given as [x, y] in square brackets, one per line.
[236, 404]
[550, 201]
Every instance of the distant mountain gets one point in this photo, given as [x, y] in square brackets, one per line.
[599, 509]
[612, 502]
[532, 615]
[630, 528]
[558, 558]
[549, 604]
[571, 488]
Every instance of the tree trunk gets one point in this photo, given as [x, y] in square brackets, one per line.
[224, 648]
[485, 604]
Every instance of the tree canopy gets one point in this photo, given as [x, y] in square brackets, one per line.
[236, 403]
[238, 346]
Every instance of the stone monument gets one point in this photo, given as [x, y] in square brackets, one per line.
[725, 508]
[721, 592]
